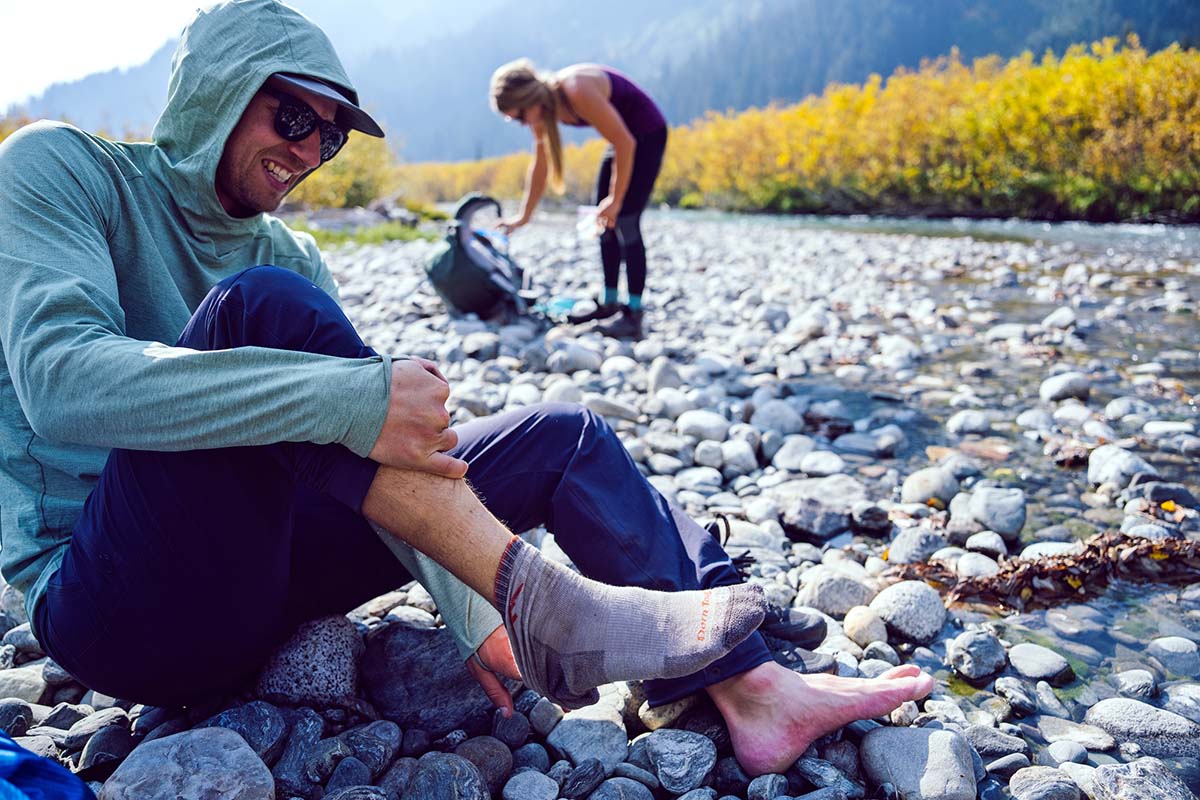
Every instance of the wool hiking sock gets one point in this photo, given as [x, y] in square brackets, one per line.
[610, 296]
[570, 634]
[635, 302]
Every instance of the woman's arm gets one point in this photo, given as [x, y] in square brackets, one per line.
[594, 108]
[535, 184]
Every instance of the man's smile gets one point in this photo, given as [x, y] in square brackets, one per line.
[278, 173]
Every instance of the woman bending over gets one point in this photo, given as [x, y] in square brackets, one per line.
[592, 95]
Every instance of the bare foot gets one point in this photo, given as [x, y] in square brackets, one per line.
[774, 714]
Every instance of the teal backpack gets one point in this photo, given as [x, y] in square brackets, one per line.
[469, 271]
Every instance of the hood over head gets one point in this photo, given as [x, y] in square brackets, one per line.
[224, 56]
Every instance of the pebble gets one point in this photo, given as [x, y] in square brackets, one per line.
[1054, 729]
[1037, 663]
[530, 785]
[912, 610]
[680, 759]
[1042, 783]
[864, 626]
[1177, 654]
[999, 510]
[591, 733]
[976, 655]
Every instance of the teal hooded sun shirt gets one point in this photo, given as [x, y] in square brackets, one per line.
[106, 249]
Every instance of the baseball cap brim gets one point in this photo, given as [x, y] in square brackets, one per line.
[349, 115]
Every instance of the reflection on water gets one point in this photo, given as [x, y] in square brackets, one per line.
[1164, 241]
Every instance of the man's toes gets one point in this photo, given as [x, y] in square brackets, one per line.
[902, 671]
[923, 685]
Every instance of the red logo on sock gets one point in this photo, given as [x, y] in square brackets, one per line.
[512, 601]
[705, 607]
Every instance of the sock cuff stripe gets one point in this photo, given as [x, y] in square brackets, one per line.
[508, 561]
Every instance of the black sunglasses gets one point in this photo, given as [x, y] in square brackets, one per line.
[296, 120]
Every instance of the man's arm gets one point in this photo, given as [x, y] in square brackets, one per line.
[80, 379]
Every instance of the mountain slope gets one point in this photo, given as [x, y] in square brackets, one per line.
[423, 69]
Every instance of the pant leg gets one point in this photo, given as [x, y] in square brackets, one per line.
[187, 568]
[647, 161]
[610, 245]
[562, 466]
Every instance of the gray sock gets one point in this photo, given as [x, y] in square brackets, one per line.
[570, 634]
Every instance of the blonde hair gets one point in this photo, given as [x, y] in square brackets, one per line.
[517, 86]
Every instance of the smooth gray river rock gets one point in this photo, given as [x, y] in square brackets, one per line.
[1042, 783]
[913, 610]
[703, 424]
[201, 763]
[592, 732]
[922, 763]
[999, 510]
[680, 759]
[991, 743]
[930, 483]
[1065, 385]
[914, 545]
[1109, 463]
[1179, 655]
[1144, 779]
[1055, 729]
[445, 776]
[976, 655]
[1039, 663]
[1157, 732]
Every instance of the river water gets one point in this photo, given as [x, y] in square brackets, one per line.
[1137, 305]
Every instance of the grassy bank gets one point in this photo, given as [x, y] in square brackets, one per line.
[1105, 132]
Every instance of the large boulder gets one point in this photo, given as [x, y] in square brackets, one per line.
[1158, 732]
[417, 679]
[1144, 779]
[921, 763]
[200, 764]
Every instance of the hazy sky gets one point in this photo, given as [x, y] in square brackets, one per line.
[45, 41]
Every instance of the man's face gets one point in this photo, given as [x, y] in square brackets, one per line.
[258, 166]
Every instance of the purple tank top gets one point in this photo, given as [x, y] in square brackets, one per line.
[637, 110]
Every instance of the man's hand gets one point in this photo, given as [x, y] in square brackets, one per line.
[493, 660]
[416, 430]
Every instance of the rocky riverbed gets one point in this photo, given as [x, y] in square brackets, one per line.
[852, 402]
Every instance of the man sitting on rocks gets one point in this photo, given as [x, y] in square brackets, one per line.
[173, 512]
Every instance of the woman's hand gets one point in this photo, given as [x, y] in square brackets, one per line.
[606, 213]
[493, 660]
[510, 224]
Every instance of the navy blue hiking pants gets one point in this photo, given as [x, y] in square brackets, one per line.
[186, 569]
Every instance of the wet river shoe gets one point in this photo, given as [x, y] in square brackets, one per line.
[601, 311]
[626, 326]
[798, 659]
[801, 628]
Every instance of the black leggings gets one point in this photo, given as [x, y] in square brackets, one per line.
[625, 240]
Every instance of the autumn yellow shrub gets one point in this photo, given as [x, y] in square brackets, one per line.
[363, 171]
[1105, 131]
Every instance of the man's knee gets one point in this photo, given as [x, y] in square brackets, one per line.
[573, 424]
[265, 306]
[266, 281]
